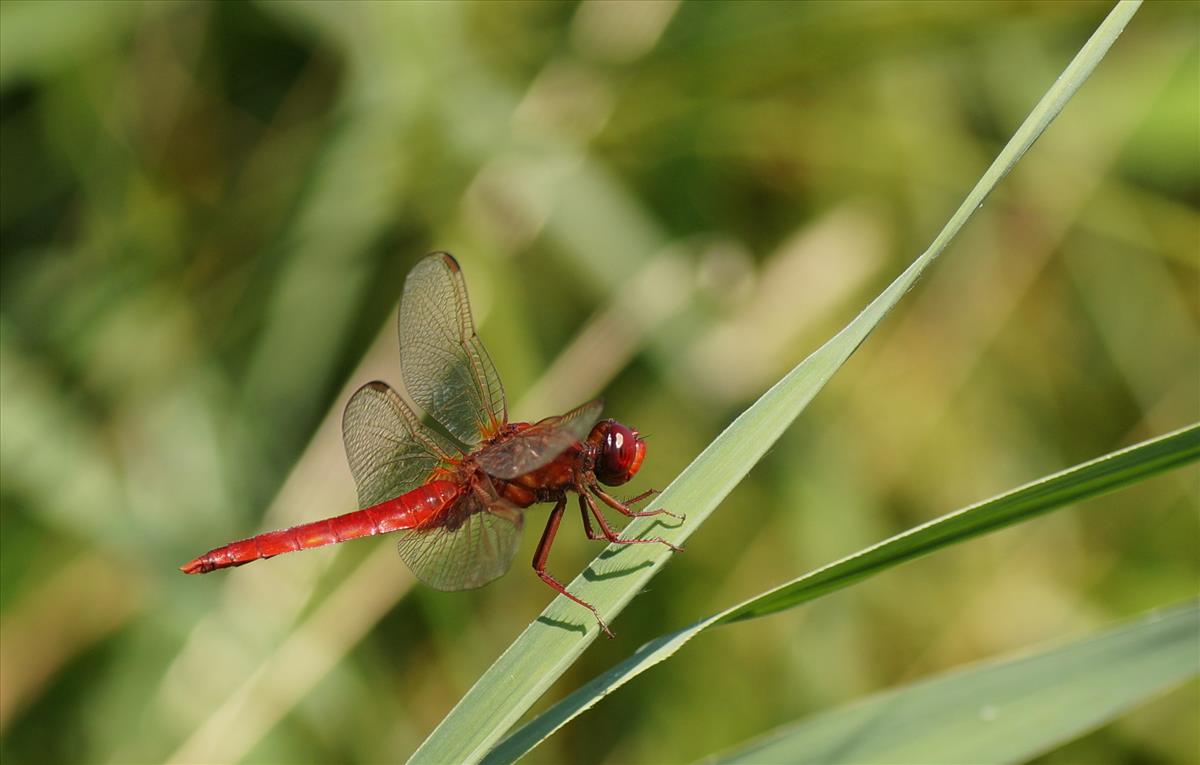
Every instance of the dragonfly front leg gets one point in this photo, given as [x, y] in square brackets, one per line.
[624, 509]
[543, 554]
[611, 535]
[644, 495]
[587, 520]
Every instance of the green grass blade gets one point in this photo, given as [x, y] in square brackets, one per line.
[550, 644]
[999, 711]
[1089, 479]
[1080, 482]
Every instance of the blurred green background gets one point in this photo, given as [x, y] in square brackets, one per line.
[206, 215]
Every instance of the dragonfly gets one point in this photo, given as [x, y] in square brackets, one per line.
[453, 487]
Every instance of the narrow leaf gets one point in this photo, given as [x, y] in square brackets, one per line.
[1087, 480]
[1000, 711]
[552, 643]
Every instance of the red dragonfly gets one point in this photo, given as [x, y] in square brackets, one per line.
[453, 489]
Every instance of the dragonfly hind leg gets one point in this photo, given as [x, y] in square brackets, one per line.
[543, 554]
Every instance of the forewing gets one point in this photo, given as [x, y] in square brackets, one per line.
[467, 546]
[446, 369]
[389, 450]
[540, 443]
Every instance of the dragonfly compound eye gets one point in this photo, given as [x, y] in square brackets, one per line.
[621, 453]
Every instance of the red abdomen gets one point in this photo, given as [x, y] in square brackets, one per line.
[403, 512]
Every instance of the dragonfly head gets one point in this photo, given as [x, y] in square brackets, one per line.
[620, 452]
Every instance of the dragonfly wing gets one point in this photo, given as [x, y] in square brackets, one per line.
[446, 369]
[467, 546]
[390, 451]
[540, 443]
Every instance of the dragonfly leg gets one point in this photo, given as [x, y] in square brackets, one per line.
[611, 536]
[587, 520]
[644, 495]
[621, 507]
[543, 554]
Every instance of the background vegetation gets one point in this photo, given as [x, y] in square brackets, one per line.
[206, 213]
